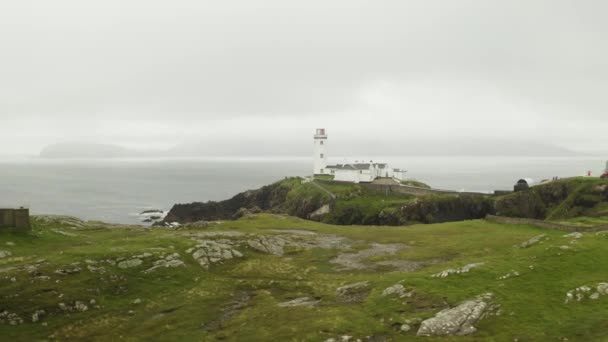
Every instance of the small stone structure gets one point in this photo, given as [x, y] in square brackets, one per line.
[15, 218]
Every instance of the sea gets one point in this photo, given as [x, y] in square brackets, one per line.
[119, 190]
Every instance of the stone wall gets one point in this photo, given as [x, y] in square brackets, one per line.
[15, 218]
[544, 224]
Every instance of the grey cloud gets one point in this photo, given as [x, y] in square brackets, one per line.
[147, 71]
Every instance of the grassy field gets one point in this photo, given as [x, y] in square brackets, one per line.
[238, 299]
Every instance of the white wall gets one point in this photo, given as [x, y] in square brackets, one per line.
[347, 176]
[320, 155]
[400, 175]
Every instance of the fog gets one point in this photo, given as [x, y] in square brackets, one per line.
[235, 75]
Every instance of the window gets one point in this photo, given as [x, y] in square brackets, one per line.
[322, 171]
[321, 142]
[321, 155]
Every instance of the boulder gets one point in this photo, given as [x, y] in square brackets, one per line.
[130, 263]
[396, 289]
[5, 254]
[268, 244]
[459, 320]
[304, 301]
[353, 293]
[463, 269]
[532, 241]
[209, 252]
[575, 235]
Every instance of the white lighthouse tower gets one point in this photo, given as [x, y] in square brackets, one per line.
[319, 152]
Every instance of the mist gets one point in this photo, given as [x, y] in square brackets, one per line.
[257, 77]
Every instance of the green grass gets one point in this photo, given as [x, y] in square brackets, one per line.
[177, 301]
[413, 182]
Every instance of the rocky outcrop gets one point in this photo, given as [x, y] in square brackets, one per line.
[304, 301]
[459, 320]
[555, 200]
[463, 269]
[397, 290]
[130, 263]
[587, 292]
[170, 261]
[269, 244]
[353, 293]
[10, 318]
[269, 198]
[532, 241]
[358, 260]
[439, 209]
[209, 252]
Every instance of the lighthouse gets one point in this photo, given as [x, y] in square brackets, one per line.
[319, 152]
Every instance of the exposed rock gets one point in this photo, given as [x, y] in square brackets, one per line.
[586, 292]
[226, 233]
[78, 306]
[136, 301]
[5, 254]
[210, 252]
[36, 316]
[61, 232]
[464, 269]
[130, 263]
[509, 275]
[68, 271]
[459, 320]
[304, 301]
[9, 243]
[93, 269]
[354, 292]
[10, 318]
[269, 244]
[240, 301]
[170, 261]
[575, 235]
[532, 241]
[358, 260]
[405, 328]
[602, 288]
[198, 224]
[60, 220]
[401, 265]
[396, 289]
[294, 231]
[319, 213]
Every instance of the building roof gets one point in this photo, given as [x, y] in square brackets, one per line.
[357, 166]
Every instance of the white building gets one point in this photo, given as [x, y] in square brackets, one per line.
[319, 155]
[349, 172]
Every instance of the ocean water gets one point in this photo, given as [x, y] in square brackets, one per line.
[117, 190]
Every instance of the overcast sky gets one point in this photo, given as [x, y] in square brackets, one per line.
[153, 74]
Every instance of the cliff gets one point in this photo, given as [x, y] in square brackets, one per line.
[337, 203]
[288, 196]
[558, 200]
[348, 204]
